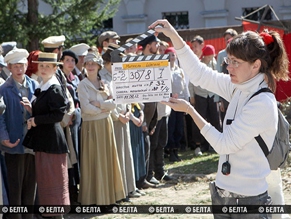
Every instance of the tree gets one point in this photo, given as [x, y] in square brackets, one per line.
[21, 20]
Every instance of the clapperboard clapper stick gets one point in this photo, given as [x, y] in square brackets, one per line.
[115, 55]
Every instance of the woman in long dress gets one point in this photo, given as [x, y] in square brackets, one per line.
[46, 136]
[101, 179]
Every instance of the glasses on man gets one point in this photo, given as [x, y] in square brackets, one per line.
[234, 63]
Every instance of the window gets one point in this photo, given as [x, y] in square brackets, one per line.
[257, 15]
[179, 20]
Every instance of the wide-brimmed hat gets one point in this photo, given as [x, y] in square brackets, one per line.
[47, 57]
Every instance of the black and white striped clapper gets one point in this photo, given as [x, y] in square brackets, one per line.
[115, 57]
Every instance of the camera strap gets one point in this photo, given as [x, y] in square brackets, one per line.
[228, 122]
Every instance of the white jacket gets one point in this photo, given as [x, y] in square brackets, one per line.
[249, 166]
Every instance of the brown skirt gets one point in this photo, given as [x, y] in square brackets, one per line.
[101, 179]
[52, 178]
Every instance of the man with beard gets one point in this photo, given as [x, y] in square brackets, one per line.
[150, 45]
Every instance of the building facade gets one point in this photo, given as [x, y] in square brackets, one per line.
[134, 16]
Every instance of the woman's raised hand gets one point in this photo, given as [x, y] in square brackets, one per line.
[163, 26]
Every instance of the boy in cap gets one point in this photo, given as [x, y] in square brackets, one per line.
[107, 37]
[17, 91]
[81, 50]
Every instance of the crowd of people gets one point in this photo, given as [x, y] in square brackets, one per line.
[64, 140]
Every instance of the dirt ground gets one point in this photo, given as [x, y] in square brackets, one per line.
[188, 189]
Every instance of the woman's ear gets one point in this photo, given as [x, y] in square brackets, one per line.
[257, 65]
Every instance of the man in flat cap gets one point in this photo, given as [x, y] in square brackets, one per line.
[107, 37]
[17, 91]
[54, 44]
[81, 50]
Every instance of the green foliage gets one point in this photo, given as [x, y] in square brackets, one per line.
[73, 18]
[10, 19]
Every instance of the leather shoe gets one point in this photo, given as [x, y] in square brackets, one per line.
[146, 185]
[140, 192]
[167, 178]
[153, 180]
[134, 194]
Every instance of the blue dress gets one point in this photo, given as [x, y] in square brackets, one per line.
[137, 145]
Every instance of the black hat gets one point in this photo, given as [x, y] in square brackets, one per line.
[148, 40]
[69, 53]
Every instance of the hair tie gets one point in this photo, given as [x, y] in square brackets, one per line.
[267, 38]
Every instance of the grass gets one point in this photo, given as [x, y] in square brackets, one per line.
[191, 164]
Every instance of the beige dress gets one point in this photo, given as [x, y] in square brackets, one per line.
[123, 143]
[101, 179]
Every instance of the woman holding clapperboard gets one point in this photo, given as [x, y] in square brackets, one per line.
[254, 62]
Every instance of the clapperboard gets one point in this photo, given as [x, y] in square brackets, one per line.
[140, 78]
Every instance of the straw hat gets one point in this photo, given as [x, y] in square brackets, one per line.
[46, 57]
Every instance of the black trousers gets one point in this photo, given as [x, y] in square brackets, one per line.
[21, 181]
[158, 142]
